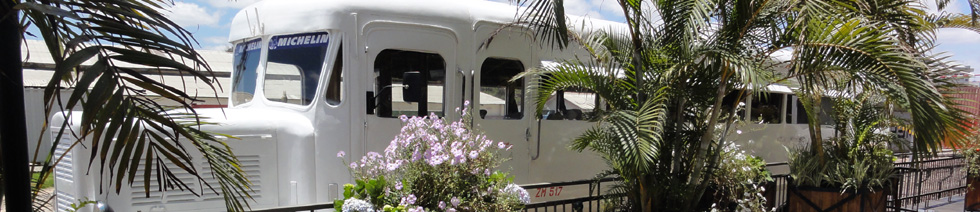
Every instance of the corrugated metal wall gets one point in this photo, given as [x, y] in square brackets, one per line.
[970, 102]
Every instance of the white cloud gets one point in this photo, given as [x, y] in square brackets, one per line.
[216, 40]
[952, 7]
[238, 4]
[580, 8]
[957, 36]
[609, 9]
[191, 15]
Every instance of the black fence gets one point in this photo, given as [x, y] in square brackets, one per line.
[926, 180]
[914, 184]
[591, 202]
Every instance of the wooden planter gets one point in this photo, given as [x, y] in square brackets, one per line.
[972, 200]
[805, 199]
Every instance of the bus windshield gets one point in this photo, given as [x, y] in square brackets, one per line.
[246, 60]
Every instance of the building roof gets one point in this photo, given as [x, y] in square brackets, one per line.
[39, 66]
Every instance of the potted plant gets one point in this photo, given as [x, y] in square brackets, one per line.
[972, 157]
[856, 163]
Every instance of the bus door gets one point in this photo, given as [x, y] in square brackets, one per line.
[333, 120]
[502, 108]
[408, 67]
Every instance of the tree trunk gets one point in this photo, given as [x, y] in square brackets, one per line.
[13, 129]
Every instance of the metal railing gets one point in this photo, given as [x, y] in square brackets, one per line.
[296, 208]
[926, 180]
[591, 202]
[914, 183]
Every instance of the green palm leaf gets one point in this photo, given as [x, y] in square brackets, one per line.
[128, 133]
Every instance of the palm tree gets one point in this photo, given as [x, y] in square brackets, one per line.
[121, 125]
[699, 51]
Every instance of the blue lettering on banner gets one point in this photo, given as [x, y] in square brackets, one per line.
[252, 45]
[316, 39]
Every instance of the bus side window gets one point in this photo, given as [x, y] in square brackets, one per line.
[767, 108]
[501, 98]
[801, 117]
[390, 65]
[570, 105]
[335, 83]
[789, 108]
[728, 104]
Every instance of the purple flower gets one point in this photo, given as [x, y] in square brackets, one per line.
[486, 172]
[474, 154]
[416, 155]
[403, 118]
[455, 201]
[451, 210]
[442, 205]
[501, 145]
[410, 199]
[353, 165]
[459, 159]
[398, 185]
[340, 154]
[392, 166]
[416, 209]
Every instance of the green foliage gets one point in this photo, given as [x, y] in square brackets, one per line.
[75, 206]
[972, 157]
[121, 123]
[47, 182]
[738, 181]
[858, 156]
[664, 81]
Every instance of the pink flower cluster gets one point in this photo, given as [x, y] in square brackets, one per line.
[434, 146]
[432, 141]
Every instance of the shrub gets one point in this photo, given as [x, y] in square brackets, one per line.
[434, 165]
[738, 181]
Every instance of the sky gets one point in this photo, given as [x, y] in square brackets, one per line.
[209, 21]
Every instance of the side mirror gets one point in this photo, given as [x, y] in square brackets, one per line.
[414, 88]
[370, 102]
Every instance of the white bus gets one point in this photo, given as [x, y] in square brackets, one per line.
[314, 77]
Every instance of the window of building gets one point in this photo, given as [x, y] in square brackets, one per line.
[245, 62]
[390, 67]
[293, 67]
[501, 98]
[335, 83]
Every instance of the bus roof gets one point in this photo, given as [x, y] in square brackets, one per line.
[293, 16]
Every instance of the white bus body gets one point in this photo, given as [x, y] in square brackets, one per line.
[293, 115]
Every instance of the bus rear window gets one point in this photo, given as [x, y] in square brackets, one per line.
[294, 66]
[245, 61]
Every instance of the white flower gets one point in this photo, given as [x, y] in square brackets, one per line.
[514, 189]
[356, 205]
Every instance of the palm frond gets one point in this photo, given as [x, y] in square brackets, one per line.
[97, 46]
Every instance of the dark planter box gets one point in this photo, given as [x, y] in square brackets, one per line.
[805, 199]
[972, 200]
